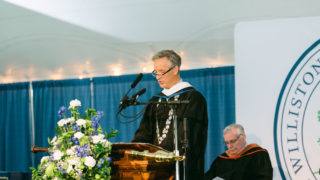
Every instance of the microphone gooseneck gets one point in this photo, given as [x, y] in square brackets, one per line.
[139, 93]
[135, 82]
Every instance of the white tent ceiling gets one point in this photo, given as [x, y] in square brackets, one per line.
[46, 39]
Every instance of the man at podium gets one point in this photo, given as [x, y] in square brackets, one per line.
[156, 126]
[240, 161]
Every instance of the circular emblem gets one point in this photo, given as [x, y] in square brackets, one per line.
[296, 125]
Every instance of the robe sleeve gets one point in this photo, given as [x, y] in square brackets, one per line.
[196, 113]
[262, 166]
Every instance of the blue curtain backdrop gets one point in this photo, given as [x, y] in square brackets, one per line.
[216, 84]
[15, 129]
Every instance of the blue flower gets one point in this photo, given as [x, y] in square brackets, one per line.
[100, 113]
[81, 151]
[94, 124]
[75, 140]
[109, 159]
[62, 170]
[100, 162]
[76, 128]
[62, 111]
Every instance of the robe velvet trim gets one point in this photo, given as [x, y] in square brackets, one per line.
[248, 150]
[172, 95]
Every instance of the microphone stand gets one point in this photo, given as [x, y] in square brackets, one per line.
[185, 145]
[175, 128]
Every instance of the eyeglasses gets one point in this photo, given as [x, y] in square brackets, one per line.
[155, 74]
[233, 140]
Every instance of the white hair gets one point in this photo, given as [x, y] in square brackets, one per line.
[239, 128]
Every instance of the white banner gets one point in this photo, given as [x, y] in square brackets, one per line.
[277, 72]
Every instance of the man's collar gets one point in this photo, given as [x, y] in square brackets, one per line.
[175, 88]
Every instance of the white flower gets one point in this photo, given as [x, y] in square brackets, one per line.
[81, 122]
[62, 122]
[70, 152]
[69, 168]
[90, 161]
[74, 161]
[78, 135]
[55, 141]
[69, 120]
[75, 148]
[98, 138]
[44, 158]
[74, 103]
[57, 155]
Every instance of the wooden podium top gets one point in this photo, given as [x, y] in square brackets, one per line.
[137, 147]
[125, 165]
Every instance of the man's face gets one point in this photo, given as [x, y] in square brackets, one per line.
[234, 141]
[166, 76]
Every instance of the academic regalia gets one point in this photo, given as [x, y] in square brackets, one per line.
[156, 127]
[252, 163]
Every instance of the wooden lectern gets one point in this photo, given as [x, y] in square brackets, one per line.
[138, 161]
[132, 161]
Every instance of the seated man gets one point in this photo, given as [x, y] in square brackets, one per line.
[240, 161]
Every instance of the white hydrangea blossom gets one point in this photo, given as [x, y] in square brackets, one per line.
[70, 120]
[81, 122]
[78, 135]
[74, 148]
[62, 122]
[70, 152]
[74, 161]
[74, 103]
[90, 161]
[57, 155]
[69, 168]
[97, 138]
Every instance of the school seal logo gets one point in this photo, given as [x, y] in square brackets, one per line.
[296, 125]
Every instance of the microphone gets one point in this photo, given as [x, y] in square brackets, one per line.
[123, 103]
[135, 82]
[126, 101]
[139, 93]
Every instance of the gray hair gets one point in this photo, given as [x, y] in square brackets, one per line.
[173, 57]
[239, 128]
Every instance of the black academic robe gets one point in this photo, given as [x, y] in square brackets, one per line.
[252, 163]
[197, 125]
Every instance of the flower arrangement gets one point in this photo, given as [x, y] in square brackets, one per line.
[79, 150]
